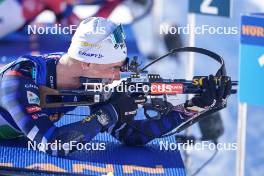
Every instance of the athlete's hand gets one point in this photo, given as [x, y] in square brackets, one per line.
[213, 94]
[118, 109]
[124, 105]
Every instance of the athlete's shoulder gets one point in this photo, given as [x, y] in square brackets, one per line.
[44, 57]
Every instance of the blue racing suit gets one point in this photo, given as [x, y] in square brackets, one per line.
[21, 114]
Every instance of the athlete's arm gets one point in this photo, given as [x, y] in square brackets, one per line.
[20, 97]
[140, 132]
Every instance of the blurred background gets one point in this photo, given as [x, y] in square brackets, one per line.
[142, 19]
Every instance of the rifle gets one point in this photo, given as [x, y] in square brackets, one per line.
[138, 81]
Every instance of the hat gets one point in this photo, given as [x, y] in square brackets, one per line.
[98, 40]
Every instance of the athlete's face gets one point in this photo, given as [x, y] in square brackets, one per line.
[109, 71]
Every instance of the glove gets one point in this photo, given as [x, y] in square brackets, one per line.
[124, 105]
[119, 108]
[139, 98]
[213, 94]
